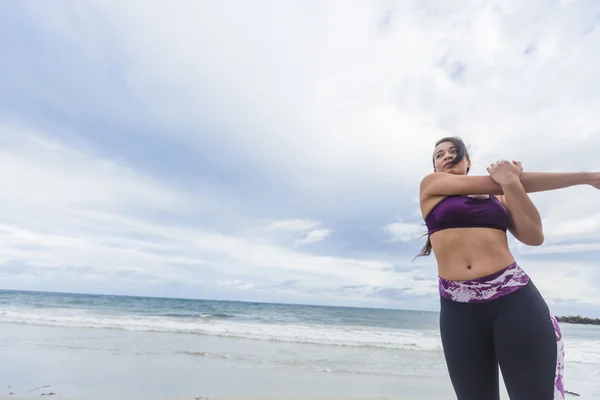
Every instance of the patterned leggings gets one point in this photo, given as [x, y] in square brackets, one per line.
[502, 320]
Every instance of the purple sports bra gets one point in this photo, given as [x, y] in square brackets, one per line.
[467, 212]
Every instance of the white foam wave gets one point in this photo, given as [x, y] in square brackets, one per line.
[577, 350]
[582, 351]
[296, 333]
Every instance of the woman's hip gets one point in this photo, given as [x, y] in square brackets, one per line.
[484, 289]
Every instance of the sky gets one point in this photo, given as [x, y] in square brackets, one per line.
[272, 151]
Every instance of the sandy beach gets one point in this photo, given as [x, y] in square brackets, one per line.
[200, 397]
[90, 364]
[591, 396]
[230, 398]
[56, 397]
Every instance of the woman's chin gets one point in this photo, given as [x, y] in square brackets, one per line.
[454, 171]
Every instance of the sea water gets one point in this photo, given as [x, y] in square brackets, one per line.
[140, 346]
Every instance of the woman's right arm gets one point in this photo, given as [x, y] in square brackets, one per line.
[445, 184]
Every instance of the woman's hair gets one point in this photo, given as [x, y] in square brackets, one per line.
[461, 152]
[425, 250]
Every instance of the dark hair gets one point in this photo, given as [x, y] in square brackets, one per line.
[461, 152]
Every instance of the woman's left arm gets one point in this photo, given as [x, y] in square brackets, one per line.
[525, 219]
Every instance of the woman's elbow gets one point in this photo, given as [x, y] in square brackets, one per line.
[530, 235]
[535, 238]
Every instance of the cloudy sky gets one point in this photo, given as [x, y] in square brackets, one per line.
[272, 150]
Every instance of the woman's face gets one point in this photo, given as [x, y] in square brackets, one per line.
[443, 155]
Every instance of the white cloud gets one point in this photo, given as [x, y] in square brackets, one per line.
[305, 229]
[39, 171]
[315, 236]
[561, 248]
[237, 284]
[560, 281]
[104, 238]
[343, 111]
[327, 98]
[405, 232]
[293, 225]
[360, 103]
[106, 246]
[573, 215]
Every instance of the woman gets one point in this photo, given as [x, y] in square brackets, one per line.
[491, 312]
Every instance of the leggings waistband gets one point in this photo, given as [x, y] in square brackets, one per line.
[486, 288]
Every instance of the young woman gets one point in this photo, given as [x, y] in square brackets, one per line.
[491, 312]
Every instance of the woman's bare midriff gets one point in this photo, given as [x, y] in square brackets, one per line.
[470, 253]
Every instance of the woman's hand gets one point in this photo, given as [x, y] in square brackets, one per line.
[518, 164]
[504, 172]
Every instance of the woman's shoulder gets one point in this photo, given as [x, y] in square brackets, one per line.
[429, 203]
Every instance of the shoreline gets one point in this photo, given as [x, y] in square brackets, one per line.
[579, 320]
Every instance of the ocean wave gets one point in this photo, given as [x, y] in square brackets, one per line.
[352, 336]
[224, 325]
[195, 315]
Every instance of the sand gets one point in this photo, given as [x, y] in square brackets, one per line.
[56, 397]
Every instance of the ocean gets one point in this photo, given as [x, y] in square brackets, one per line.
[135, 347]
